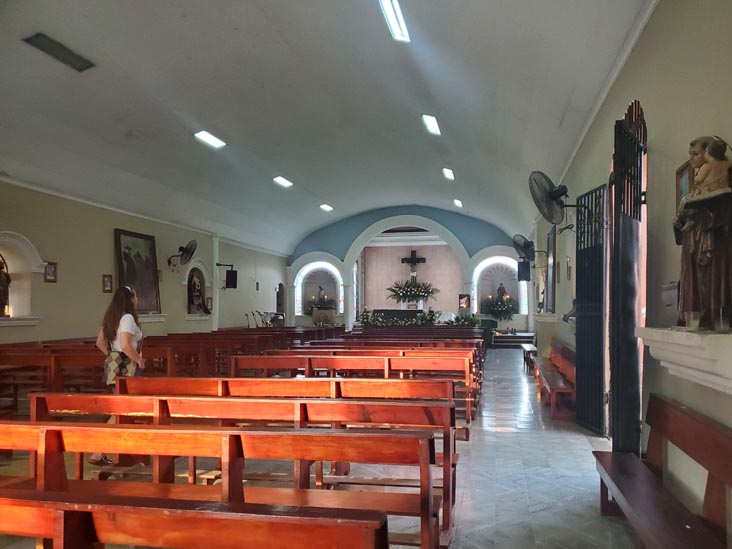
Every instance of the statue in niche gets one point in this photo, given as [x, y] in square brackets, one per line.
[501, 291]
[703, 228]
[196, 294]
[5, 281]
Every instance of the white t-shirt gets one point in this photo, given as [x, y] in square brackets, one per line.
[127, 325]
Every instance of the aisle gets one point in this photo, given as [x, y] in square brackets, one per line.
[525, 480]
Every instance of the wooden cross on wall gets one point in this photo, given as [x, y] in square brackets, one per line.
[413, 261]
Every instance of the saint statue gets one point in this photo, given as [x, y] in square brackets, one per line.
[703, 228]
[501, 291]
[5, 281]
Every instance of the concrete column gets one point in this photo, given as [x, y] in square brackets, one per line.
[348, 306]
[216, 286]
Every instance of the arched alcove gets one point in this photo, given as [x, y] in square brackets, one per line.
[23, 260]
[501, 266]
[313, 275]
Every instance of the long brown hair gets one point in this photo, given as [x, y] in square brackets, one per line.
[120, 306]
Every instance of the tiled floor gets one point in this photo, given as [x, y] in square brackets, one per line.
[523, 480]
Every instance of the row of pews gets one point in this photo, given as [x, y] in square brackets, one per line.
[335, 408]
[75, 364]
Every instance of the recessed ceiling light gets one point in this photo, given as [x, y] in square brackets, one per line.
[210, 140]
[395, 20]
[282, 182]
[458, 202]
[448, 173]
[430, 122]
[326, 208]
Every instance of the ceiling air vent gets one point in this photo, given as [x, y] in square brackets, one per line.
[59, 52]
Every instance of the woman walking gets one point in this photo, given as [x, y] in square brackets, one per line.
[120, 339]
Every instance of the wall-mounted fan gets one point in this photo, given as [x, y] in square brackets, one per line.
[548, 197]
[524, 247]
[184, 255]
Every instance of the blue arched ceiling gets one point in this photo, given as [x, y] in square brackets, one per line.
[336, 238]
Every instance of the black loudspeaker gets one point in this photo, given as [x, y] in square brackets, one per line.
[231, 279]
[524, 270]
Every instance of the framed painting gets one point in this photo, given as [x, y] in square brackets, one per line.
[50, 272]
[464, 301]
[684, 181]
[137, 267]
[107, 284]
[549, 285]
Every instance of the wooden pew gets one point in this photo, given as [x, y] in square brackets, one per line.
[49, 440]
[354, 388]
[68, 520]
[556, 376]
[298, 412]
[658, 518]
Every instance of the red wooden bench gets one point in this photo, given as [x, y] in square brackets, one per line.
[72, 521]
[556, 376]
[636, 486]
[50, 440]
[297, 412]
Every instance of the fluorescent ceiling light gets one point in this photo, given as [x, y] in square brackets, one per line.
[448, 173]
[210, 140]
[282, 182]
[395, 20]
[430, 122]
[326, 208]
[458, 203]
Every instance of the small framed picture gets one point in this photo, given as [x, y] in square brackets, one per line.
[464, 301]
[50, 273]
[106, 284]
[209, 303]
[684, 181]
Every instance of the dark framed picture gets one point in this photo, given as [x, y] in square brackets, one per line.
[549, 286]
[50, 272]
[684, 181]
[106, 284]
[137, 267]
[464, 301]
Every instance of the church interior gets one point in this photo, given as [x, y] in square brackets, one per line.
[365, 274]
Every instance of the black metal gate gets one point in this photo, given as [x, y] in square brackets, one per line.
[591, 268]
[626, 187]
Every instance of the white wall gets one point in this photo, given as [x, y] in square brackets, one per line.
[679, 71]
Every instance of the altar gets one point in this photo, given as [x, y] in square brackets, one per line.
[397, 314]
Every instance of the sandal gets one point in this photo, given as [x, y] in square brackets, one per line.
[103, 461]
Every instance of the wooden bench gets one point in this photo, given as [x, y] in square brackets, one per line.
[529, 350]
[560, 392]
[658, 518]
[354, 388]
[50, 440]
[68, 520]
[162, 410]
[556, 376]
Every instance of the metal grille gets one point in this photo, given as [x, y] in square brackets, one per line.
[590, 385]
[627, 202]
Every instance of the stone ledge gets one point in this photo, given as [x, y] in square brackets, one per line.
[145, 318]
[198, 317]
[546, 317]
[9, 322]
[700, 357]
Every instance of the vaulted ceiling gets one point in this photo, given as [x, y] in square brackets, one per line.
[313, 90]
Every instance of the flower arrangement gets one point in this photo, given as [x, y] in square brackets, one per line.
[408, 290]
[464, 321]
[368, 318]
[500, 308]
